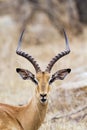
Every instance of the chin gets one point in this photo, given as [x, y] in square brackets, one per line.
[44, 103]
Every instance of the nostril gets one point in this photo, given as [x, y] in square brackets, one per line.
[43, 95]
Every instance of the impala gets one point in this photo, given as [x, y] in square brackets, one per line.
[31, 115]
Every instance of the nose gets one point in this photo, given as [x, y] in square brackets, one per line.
[43, 97]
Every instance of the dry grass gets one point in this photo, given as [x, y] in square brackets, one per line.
[66, 96]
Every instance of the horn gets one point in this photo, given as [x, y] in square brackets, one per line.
[25, 55]
[60, 55]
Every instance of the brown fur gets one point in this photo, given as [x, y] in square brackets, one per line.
[27, 117]
[30, 116]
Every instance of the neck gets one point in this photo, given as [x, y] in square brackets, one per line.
[32, 115]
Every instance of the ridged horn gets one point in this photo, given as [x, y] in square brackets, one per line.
[60, 55]
[25, 55]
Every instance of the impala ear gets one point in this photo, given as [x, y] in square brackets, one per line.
[61, 74]
[26, 74]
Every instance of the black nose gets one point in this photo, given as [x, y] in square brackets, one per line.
[43, 97]
[43, 100]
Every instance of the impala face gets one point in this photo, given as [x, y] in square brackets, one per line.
[43, 86]
[43, 80]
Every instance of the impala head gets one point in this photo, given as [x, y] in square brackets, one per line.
[43, 80]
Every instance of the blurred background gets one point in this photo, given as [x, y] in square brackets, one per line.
[44, 21]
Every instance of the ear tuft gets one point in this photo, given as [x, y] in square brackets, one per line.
[69, 70]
